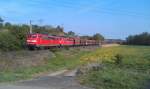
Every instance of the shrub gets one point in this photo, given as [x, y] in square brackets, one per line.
[66, 48]
[118, 59]
[54, 49]
[9, 42]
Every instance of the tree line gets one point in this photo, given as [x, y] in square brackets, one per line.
[139, 39]
[13, 36]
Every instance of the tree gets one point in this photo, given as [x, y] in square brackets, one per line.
[98, 37]
[86, 37]
[59, 28]
[71, 33]
[1, 22]
[8, 25]
[139, 39]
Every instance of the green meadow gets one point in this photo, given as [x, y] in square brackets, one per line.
[130, 71]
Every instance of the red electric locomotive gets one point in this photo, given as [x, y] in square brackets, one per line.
[45, 41]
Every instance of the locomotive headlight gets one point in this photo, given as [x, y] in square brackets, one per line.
[31, 41]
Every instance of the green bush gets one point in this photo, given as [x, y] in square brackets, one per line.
[9, 42]
[118, 59]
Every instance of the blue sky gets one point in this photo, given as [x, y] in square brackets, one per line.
[112, 18]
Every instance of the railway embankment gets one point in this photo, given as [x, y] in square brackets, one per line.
[24, 58]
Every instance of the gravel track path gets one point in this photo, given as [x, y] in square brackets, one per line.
[57, 80]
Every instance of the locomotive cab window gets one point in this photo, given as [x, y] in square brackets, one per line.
[34, 36]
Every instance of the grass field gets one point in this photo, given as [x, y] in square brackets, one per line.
[131, 72]
[64, 59]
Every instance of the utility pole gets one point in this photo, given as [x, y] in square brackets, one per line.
[31, 21]
[30, 27]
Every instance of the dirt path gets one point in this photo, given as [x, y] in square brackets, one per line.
[58, 80]
[148, 85]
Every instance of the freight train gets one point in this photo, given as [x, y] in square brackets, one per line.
[38, 41]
